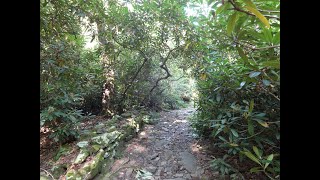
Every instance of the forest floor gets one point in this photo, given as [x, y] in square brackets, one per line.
[165, 150]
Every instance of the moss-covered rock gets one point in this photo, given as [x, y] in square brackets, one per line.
[73, 175]
[58, 170]
[112, 128]
[83, 154]
[96, 148]
[42, 177]
[88, 170]
[82, 144]
[100, 128]
[113, 146]
[93, 167]
[104, 145]
[106, 138]
[126, 114]
[102, 140]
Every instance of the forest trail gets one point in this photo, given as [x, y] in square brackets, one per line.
[165, 150]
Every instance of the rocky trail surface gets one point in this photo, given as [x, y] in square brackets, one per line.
[165, 150]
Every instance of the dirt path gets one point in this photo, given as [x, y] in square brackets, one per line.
[165, 150]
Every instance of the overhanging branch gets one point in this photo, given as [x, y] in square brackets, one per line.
[235, 7]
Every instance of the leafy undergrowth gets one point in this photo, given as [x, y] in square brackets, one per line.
[230, 167]
[56, 160]
[54, 155]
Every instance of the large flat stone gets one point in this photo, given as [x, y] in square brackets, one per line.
[188, 161]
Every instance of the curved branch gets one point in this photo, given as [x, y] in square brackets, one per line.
[235, 7]
[136, 74]
[47, 173]
[163, 66]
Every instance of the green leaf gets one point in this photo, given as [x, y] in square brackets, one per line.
[262, 123]
[267, 35]
[218, 98]
[242, 55]
[263, 19]
[217, 132]
[266, 82]
[269, 158]
[256, 150]
[276, 38]
[233, 144]
[220, 9]
[240, 22]
[250, 127]
[272, 63]
[223, 139]
[72, 118]
[223, 8]
[261, 115]
[254, 74]
[256, 169]
[250, 4]
[242, 84]
[252, 157]
[231, 23]
[252, 64]
[234, 132]
[251, 105]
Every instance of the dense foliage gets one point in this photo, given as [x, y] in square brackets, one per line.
[138, 53]
[239, 82]
[146, 53]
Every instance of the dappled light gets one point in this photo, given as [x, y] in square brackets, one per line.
[180, 121]
[136, 148]
[159, 89]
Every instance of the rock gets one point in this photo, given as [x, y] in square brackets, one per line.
[159, 171]
[83, 154]
[163, 163]
[168, 170]
[113, 146]
[73, 175]
[106, 155]
[157, 159]
[129, 173]
[152, 157]
[105, 139]
[83, 144]
[58, 170]
[200, 171]
[126, 114]
[187, 176]
[188, 161]
[152, 169]
[165, 129]
[193, 176]
[101, 140]
[112, 128]
[92, 168]
[96, 148]
[115, 118]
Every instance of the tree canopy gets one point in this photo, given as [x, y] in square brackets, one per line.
[107, 57]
